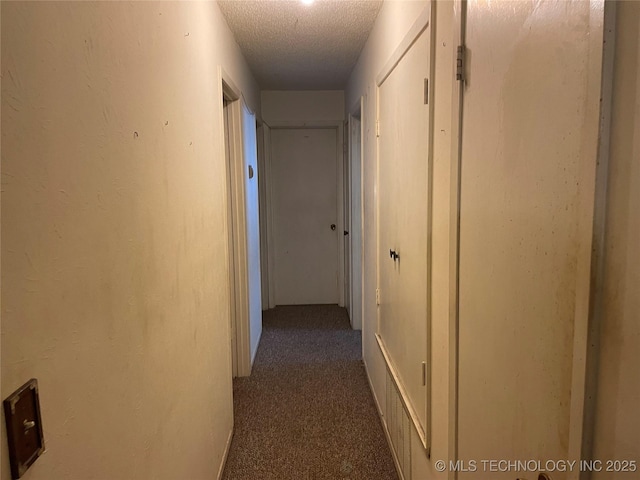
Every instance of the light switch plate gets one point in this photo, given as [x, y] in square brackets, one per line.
[24, 427]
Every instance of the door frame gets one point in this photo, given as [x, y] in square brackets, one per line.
[356, 228]
[340, 226]
[347, 214]
[264, 192]
[236, 227]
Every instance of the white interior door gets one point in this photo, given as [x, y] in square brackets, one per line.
[403, 209]
[252, 225]
[529, 144]
[305, 215]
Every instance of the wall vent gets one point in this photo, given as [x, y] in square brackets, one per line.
[398, 424]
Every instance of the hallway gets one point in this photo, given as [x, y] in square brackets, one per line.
[306, 411]
[463, 177]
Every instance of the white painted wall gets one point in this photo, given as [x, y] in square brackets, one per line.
[301, 107]
[253, 229]
[617, 433]
[393, 22]
[114, 244]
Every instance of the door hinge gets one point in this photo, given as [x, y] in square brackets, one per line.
[426, 91]
[377, 296]
[461, 63]
[424, 373]
[345, 147]
[377, 128]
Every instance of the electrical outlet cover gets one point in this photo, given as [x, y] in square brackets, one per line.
[24, 428]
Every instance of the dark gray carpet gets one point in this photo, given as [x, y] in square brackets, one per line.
[307, 412]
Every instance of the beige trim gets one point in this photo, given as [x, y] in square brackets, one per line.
[225, 454]
[238, 270]
[586, 230]
[454, 238]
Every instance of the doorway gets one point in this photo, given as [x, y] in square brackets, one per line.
[306, 233]
[245, 313]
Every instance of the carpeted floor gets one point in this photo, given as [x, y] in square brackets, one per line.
[306, 412]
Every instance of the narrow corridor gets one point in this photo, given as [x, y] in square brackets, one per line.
[306, 411]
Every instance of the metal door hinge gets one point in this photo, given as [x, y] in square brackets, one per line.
[377, 296]
[345, 147]
[377, 128]
[426, 91]
[424, 373]
[460, 63]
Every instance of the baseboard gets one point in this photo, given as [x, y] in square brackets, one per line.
[396, 462]
[225, 455]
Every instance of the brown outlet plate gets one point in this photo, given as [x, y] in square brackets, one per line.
[24, 428]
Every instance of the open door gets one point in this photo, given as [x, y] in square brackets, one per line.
[243, 227]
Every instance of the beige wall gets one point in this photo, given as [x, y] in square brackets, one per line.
[114, 270]
[300, 107]
[617, 434]
[529, 155]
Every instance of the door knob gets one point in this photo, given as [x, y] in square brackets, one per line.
[333, 226]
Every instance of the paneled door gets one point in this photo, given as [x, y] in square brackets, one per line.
[404, 134]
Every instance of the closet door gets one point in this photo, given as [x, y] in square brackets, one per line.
[404, 138]
[529, 150]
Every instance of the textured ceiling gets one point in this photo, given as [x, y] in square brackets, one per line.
[293, 46]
